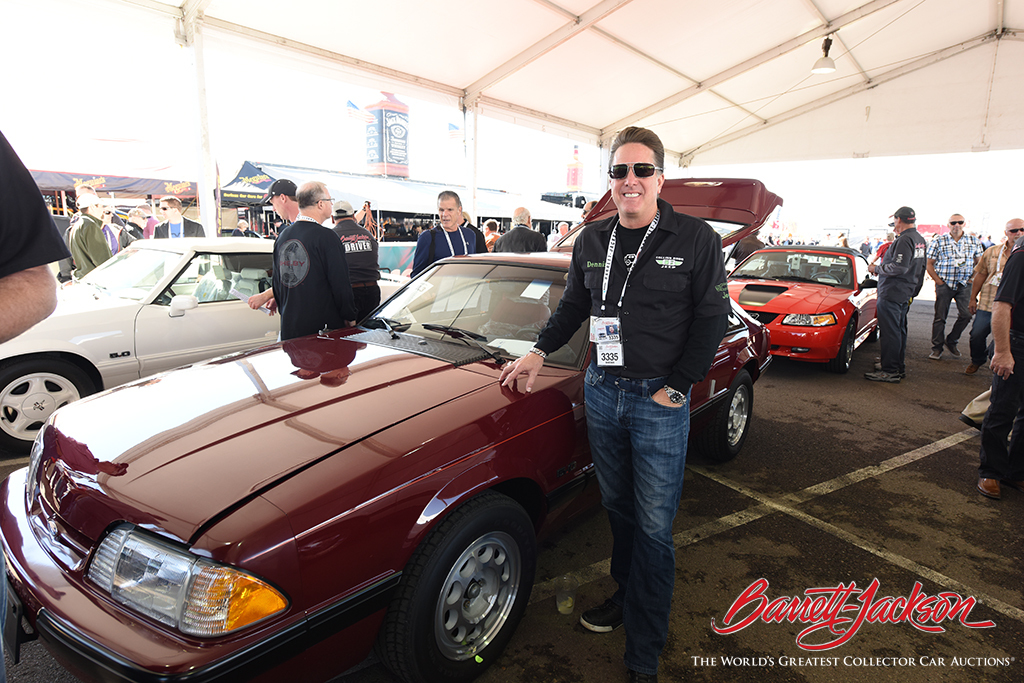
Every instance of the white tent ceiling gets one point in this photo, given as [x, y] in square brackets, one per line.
[720, 82]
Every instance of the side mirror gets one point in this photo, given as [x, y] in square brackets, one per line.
[182, 303]
[869, 283]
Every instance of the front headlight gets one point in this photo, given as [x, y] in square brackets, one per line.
[196, 596]
[805, 320]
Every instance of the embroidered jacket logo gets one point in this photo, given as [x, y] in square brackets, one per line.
[668, 261]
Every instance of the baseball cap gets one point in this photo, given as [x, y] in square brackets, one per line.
[86, 200]
[342, 209]
[905, 214]
[280, 186]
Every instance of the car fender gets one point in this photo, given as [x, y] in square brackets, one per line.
[106, 351]
[471, 482]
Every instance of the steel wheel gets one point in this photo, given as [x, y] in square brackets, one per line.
[738, 416]
[30, 392]
[462, 593]
[478, 596]
[722, 437]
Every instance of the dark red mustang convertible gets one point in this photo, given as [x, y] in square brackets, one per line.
[277, 514]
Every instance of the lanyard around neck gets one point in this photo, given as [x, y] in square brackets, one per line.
[451, 247]
[629, 271]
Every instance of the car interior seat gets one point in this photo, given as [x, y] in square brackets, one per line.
[214, 285]
[250, 281]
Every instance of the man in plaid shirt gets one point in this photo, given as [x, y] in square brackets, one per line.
[951, 261]
[987, 275]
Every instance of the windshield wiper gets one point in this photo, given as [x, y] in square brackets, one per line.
[467, 336]
[387, 324]
[794, 278]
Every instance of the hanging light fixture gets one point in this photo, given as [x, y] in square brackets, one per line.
[825, 65]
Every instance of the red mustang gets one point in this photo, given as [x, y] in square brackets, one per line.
[276, 514]
[817, 302]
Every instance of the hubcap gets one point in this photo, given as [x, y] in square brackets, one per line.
[477, 596]
[739, 413]
[28, 401]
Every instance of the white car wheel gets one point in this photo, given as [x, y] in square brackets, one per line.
[30, 391]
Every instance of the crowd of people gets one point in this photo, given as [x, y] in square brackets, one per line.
[638, 384]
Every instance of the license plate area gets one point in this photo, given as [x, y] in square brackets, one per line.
[14, 630]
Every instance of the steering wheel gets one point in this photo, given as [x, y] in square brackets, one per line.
[527, 334]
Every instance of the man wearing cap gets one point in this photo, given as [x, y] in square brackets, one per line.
[311, 285]
[951, 261]
[88, 244]
[900, 277]
[281, 196]
[175, 225]
[361, 257]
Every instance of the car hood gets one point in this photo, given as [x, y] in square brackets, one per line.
[785, 297]
[176, 450]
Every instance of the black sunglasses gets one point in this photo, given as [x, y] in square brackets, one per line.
[1014, 231]
[640, 170]
[956, 222]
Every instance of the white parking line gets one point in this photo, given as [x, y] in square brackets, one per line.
[785, 505]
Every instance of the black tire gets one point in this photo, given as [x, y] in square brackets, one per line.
[462, 594]
[723, 437]
[841, 363]
[30, 391]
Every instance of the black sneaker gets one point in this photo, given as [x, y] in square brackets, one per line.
[603, 618]
[952, 348]
[637, 677]
[882, 376]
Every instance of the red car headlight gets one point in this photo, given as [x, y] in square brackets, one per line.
[810, 320]
[174, 587]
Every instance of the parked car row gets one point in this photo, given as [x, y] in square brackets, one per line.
[284, 510]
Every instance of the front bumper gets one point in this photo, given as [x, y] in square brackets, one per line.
[97, 640]
[822, 343]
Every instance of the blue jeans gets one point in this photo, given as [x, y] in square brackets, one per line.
[1004, 414]
[979, 336]
[892, 334]
[639, 449]
[944, 294]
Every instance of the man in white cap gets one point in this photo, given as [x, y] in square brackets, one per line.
[361, 256]
[88, 245]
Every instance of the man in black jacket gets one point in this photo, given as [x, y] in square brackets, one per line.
[900, 277]
[175, 225]
[655, 338]
[522, 238]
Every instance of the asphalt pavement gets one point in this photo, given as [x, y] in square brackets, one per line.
[855, 488]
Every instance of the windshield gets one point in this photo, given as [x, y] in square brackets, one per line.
[132, 273]
[508, 305]
[829, 269]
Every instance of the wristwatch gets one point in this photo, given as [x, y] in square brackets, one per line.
[538, 352]
[677, 397]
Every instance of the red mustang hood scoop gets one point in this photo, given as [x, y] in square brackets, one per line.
[177, 449]
[759, 295]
